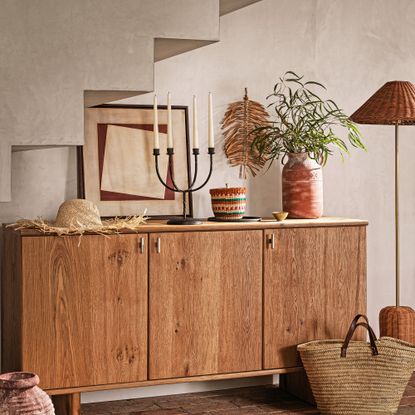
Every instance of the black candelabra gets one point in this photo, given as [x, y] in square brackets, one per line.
[184, 220]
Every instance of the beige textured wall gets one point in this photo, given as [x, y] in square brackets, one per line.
[54, 50]
[353, 47]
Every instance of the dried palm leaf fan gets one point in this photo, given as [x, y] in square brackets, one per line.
[239, 120]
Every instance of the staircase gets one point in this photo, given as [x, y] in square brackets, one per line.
[58, 56]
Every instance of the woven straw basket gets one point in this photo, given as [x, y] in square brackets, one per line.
[355, 377]
[228, 202]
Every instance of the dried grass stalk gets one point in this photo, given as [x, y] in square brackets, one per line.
[109, 226]
[240, 119]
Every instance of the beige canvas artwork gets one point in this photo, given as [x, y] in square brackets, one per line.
[119, 173]
[128, 150]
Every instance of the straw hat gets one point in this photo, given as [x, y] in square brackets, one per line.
[77, 216]
[78, 212]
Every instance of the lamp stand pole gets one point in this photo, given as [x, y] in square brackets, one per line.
[393, 104]
[397, 321]
[397, 253]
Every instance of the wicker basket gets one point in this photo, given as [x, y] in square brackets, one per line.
[355, 377]
[398, 322]
[228, 202]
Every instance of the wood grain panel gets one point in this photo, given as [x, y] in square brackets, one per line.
[345, 284]
[205, 303]
[11, 301]
[85, 310]
[297, 384]
[67, 404]
[170, 381]
[314, 284]
[156, 226]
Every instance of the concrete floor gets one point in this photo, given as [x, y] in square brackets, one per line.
[253, 400]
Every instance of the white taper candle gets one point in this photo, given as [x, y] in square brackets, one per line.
[156, 125]
[211, 139]
[169, 123]
[195, 128]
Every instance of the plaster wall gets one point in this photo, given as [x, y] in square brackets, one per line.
[53, 52]
[353, 47]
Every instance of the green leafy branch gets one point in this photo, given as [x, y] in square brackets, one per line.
[304, 123]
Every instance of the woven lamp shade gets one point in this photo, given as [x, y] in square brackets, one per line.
[394, 103]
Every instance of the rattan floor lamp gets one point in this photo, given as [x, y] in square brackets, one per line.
[393, 104]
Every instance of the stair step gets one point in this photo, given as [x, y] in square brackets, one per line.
[167, 48]
[83, 55]
[229, 6]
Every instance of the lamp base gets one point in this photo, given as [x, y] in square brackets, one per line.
[183, 221]
[398, 322]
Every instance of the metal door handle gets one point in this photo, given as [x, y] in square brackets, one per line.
[271, 241]
[158, 245]
[142, 244]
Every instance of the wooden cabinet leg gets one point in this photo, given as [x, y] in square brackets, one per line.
[297, 384]
[67, 404]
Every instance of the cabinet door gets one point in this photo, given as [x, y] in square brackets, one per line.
[314, 284]
[85, 309]
[205, 303]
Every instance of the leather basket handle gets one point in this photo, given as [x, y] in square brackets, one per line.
[353, 326]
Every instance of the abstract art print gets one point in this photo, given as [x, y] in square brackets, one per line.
[117, 169]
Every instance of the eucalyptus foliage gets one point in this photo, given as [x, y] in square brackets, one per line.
[304, 122]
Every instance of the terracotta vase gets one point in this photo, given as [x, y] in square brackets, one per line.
[20, 395]
[302, 187]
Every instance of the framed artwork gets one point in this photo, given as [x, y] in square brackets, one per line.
[116, 167]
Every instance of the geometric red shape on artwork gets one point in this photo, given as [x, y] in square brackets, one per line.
[102, 138]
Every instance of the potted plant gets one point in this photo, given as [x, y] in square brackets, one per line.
[303, 136]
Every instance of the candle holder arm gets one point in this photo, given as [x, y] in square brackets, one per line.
[171, 173]
[196, 155]
[185, 192]
[156, 153]
[211, 152]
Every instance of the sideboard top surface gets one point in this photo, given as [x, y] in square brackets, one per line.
[154, 226]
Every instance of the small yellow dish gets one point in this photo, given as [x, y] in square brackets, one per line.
[280, 216]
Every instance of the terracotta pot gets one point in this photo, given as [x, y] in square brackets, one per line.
[302, 187]
[19, 394]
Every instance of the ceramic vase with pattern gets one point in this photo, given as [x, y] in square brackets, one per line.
[19, 394]
[302, 187]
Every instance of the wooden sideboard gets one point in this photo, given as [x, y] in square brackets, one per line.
[176, 303]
